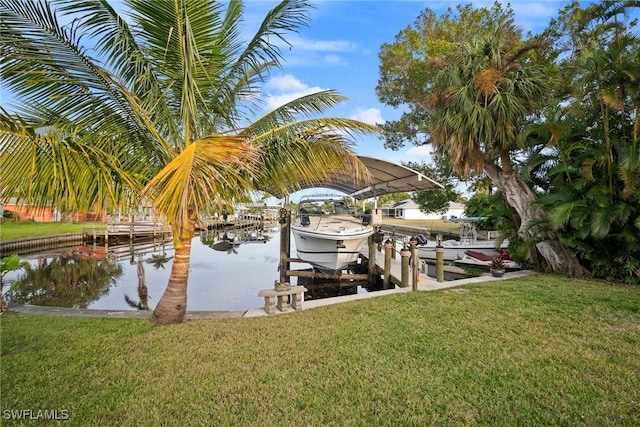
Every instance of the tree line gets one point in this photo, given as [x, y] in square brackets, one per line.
[550, 119]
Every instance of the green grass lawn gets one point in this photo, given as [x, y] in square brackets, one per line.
[533, 351]
[15, 230]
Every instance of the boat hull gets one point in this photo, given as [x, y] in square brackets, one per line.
[329, 252]
[455, 250]
[332, 247]
[328, 234]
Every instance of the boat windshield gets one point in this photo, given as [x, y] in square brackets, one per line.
[341, 208]
[330, 207]
[310, 209]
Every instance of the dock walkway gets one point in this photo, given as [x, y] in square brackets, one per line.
[396, 268]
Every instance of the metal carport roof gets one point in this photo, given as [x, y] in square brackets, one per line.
[386, 177]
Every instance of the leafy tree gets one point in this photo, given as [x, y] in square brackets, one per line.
[393, 198]
[591, 165]
[472, 86]
[436, 201]
[161, 103]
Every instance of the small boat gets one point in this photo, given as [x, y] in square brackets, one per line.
[328, 234]
[482, 261]
[468, 241]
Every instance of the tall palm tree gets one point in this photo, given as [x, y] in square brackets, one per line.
[160, 103]
[480, 100]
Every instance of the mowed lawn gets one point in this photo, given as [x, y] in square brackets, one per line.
[540, 350]
[17, 230]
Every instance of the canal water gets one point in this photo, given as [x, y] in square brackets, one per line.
[227, 272]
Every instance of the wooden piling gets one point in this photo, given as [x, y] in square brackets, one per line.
[285, 244]
[404, 258]
[415, 265]
[388, 249]
[372, 260]
[440, 263]
[393, 242]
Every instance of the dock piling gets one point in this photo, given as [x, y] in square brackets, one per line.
[388, 249]
[285, 243]
[405, 253]
[372, 259]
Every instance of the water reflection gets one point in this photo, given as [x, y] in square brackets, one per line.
[72, 280]
[133, 277]
[229, 240]
[143, 291]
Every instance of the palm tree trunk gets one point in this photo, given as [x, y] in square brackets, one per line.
[519, 196]
[173, 304]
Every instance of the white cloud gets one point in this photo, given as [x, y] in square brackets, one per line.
[325, 45]
[370, 115]
[421, 153]
[282, 89]
[334, 60]
[286, 83]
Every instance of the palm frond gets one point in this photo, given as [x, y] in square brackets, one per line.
[214, 169]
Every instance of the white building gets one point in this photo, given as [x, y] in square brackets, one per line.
[408, 209]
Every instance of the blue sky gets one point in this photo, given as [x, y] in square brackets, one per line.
[339, 50]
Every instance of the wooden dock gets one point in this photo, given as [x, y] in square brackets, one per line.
[396, 268]
[131, 232]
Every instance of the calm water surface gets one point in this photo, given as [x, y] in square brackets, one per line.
[226, 278]
[227, 272]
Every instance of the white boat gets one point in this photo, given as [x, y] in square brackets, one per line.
[327, 233]
[468, 241]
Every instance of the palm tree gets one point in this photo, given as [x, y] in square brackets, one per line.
[480, 100]
[594, 193]
[161, 103]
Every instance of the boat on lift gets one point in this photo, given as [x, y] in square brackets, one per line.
[455, 249]
[328, 234]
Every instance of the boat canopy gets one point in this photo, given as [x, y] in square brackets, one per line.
[386, 178]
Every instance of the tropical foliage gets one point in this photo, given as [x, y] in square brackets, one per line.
[591, 167]
[162, 102]
[552, 120]
[472, 97]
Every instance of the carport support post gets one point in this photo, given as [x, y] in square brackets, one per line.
[285, 243]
